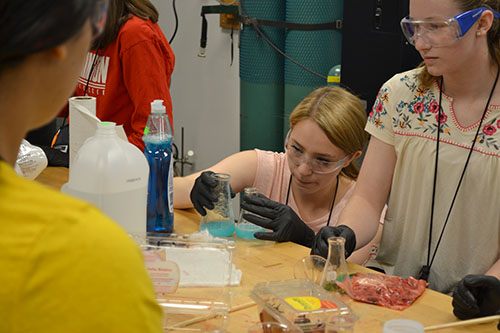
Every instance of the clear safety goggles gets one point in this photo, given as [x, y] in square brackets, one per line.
[442, 33]
[98, 17]
[317, 165]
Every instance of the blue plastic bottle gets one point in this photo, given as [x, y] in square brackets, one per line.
[158, 150]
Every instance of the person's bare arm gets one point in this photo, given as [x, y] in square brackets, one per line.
[494, 270]
[362, 212]
[362, 254]
[241, 166]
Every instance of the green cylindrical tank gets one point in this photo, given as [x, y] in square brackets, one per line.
[261, 78]
[318, 50]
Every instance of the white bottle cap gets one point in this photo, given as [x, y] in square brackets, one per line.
[106, 128]
[157, 106]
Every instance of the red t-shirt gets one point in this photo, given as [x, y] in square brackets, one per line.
[128, 75]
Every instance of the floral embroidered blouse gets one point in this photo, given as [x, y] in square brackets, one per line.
[406, 116]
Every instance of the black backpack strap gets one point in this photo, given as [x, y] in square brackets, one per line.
[335, 25]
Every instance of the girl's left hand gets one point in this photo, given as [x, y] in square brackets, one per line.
[281, 219]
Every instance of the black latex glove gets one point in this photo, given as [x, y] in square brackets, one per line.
[203, 192]
[320, 244]
[477, 296]
[280, 218]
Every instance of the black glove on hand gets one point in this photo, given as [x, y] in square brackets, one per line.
[280, 218]
[203, 192]
[320, 244]
[476, 296]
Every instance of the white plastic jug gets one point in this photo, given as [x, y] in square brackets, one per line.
[112, 174]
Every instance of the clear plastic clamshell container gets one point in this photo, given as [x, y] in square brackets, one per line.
[301, 305]
[191, 278]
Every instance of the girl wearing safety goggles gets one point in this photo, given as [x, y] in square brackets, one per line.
[435, 151]
[302, 189]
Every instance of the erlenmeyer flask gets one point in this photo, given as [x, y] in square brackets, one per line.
[220, 221]
[335, 276]
[244, 228]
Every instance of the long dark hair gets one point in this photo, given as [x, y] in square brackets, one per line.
[29, 27]
[119, 12]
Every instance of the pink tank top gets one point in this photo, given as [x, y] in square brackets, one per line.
[272, 180]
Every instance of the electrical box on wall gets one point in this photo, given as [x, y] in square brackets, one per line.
[229, 21]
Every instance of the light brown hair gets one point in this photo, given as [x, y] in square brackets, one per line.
[342, 118]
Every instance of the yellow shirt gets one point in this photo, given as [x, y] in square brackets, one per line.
[65, 267]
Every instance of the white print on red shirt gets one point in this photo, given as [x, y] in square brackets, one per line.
[96, 77]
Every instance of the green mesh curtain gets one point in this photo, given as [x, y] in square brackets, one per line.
[318, 50]
[261, 79]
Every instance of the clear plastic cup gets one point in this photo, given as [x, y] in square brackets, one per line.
[403, 326]
[343, 322]
[310, 267]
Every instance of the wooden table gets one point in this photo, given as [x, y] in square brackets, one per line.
[267, 261]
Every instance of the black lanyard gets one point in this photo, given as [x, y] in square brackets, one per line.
[426, 269]
[333, 202]
[95, 60]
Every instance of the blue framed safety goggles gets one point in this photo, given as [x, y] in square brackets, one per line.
[466, 20]
[442, 32]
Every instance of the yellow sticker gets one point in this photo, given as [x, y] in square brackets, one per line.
[304, 303]
[333, 79]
